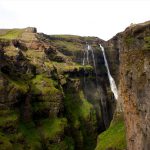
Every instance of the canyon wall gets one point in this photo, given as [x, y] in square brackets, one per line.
[135, 85]
[48, 98]
[132, 47]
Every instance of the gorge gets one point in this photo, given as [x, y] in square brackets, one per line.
[67, 92]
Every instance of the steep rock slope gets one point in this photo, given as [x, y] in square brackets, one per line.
[135, 85]
[48, 98]
[132, 76]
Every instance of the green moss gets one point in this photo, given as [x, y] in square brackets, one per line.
[113, 137]
[147, 43]
[12, 34]
[41, 106]
[85, 107]
[5, 144]
[73, 67]
[45, 86]
[16, 84]
[77, 107]
[18, 146]
[129, 40]
[8, 120]
[35, 56]
[20, 85]
[49, 65]
[66, 144]
[50, 128]
[31, 135]
[82, 117]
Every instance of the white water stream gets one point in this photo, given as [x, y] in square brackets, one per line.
[111, 80]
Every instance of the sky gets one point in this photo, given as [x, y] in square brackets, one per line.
[100, 18]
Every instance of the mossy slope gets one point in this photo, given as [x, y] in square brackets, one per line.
[113, 138]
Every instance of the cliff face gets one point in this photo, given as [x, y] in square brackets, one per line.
[48, 98]
[132, 48]
[135, 86]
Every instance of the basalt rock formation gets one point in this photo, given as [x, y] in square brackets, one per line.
[55, 92]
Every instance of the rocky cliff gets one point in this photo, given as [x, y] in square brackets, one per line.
[48, 98]
[132, 75]
[135, 85]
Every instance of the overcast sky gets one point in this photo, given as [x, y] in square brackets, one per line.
[101, 18]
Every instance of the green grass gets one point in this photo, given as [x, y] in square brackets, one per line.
[73, 37]
[12, 34]
[77, 107]
[81, 115]
[113, 137]
[34, 56]
[67, 46]
[46, 86]
[47, 130]
[65, 36]
[64, 67]
[85, 107]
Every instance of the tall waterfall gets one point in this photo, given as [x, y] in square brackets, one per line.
[111, 80]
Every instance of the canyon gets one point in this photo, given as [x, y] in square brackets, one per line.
[56, 91]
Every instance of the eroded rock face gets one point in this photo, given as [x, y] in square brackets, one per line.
[130, 50]
[135, 85]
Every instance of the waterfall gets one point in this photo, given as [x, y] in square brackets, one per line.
[86, 57]
[111, 80]
[93, 57]
[83, 63]
[87, 51]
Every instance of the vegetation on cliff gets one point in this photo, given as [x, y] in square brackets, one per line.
[37, 112]
[50, 100]
[114, 137]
